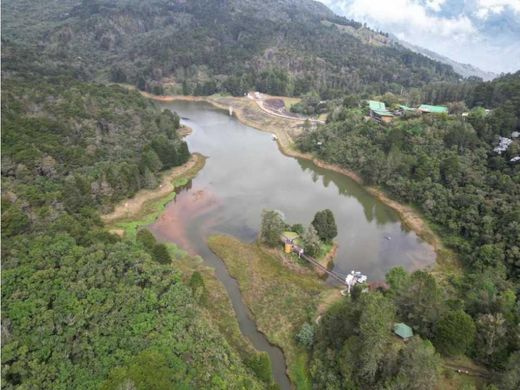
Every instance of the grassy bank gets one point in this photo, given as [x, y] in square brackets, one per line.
[219, 310]
[280, 299]
[147, 205]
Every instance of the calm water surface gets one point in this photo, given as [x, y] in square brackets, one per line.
[246, 173]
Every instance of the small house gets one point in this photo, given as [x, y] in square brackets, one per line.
[427, 109]
[402, 330]
[403, 110]
[290, 240]
[379, 112]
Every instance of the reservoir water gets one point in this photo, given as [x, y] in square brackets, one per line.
[245, 173]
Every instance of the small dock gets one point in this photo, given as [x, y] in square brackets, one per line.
[290, 244]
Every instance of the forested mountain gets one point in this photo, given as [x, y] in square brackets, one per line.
[284, 47]
[81, 308]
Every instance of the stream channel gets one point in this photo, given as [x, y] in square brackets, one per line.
[245, 173]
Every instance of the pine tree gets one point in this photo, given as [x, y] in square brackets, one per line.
[325, 225]
[160, 254]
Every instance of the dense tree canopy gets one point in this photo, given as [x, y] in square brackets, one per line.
[81, 308]
[447, 167]
[282, 47]
[455, 332]
[325, 225]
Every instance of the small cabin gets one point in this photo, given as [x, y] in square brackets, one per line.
[290, 239]
[427, 109]
[403, 331]
[379, 112]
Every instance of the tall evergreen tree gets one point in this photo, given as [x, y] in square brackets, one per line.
[325, 225]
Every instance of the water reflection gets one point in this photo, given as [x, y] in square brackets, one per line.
[245, 173]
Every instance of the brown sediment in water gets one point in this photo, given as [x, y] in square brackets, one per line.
[248, 112]
[172, 225]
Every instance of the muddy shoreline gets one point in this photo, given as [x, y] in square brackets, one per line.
[130, 208]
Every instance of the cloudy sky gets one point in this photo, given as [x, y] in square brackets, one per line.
[485, 33]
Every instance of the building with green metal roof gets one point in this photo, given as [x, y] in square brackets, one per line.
[379, 112]
[426, 108]
[403, 330]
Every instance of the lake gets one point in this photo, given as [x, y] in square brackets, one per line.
[245, 173]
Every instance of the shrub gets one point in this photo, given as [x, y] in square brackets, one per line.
[145, 237]
[160, 254]
[261, 366]
[306, 335]
[455, 332]
[198, 287]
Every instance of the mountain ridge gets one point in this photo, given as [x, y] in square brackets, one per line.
[281, 47]
[465, 70]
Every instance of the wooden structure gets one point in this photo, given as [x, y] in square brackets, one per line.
[291, 244]
[290, 240]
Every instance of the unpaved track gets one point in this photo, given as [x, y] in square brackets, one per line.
[262, 106]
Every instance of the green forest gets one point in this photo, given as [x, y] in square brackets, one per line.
[200, 47]
[83, 308]
[446, 167]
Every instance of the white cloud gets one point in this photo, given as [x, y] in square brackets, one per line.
[409, 16]
[459, 31]
[487, 7]
[435, 5]
[500, 4]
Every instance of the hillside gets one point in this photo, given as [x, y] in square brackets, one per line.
[82, 308]
[465, 70]
[201, 46]
[445, 166]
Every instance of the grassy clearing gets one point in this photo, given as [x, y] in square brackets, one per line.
[323, 117]
[289, 101]
[451, 380]
[150, 211]
[280, 299]
[325, 249]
